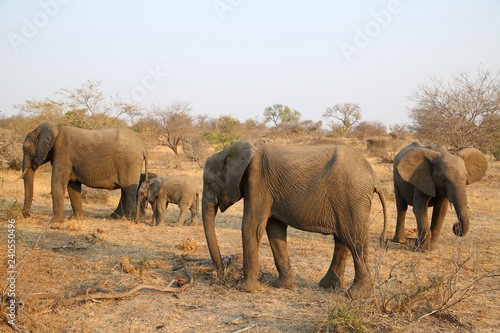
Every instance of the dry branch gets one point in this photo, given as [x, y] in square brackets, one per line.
[99, 293]
[189, 262]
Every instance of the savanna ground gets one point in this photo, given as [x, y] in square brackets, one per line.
[455, 288]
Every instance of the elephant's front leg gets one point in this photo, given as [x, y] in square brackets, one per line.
[159, 215]
[335, 274]
[255, 218]
[420, 207]
[438, 215]
[59, 182]
[402, 207]
[75, 196]
[276, 232]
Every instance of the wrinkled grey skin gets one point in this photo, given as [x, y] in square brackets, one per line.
[181, 190]
[431, 176]
[144, 204]
[108, 159]
[323, 189]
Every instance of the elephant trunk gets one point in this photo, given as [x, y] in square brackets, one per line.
[209, 211]
[28, 177]
[139, 209]
[461, 207]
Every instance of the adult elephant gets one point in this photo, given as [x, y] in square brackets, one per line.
[431, 176]
[323, 189]
[108, 159]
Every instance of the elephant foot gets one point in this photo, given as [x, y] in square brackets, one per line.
[285, 282]
[360, 290]
[399, 239]
[76, 217]
[423, 246]
[115, 216]
[250, 286]
[329, 282]
[435, 245]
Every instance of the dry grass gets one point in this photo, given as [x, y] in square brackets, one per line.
[412, 285]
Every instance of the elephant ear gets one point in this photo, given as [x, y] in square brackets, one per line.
[416, 168]
[235, 160]
[47, 133]
[475, 163]
[154, 189]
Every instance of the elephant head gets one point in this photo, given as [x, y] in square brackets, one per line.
[37, 150]
[222, 177]
[434, 173]
[147, 191]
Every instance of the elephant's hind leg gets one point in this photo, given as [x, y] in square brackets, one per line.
[335, 274]
[75, 196]
[276, 232]
[182, 217]
[362, 285]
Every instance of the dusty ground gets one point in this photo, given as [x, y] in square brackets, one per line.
[412, 284]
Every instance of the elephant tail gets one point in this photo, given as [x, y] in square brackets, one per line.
[382, 239]
[146, 165]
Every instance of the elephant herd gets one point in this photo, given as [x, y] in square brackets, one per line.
[324, 189]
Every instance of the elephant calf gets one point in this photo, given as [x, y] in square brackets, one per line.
[431, 176]
[181, 190]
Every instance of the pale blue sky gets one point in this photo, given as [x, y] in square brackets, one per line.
[240, 56]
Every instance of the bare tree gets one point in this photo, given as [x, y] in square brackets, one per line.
[88, 107]
[175, 123]
[348, 113]
[461, 113]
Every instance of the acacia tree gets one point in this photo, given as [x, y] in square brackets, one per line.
[174, 123]
[281, 115]
[224, 132]
[461, 113]
[348, 113]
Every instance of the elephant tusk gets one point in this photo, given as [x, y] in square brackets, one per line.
[24, 173]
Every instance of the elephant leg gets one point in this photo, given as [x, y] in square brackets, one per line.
[194, 215]
[362, 285]
[129, 196]
[182, 217]
[438, 215]
[153, 207]
[402, 207]
[119, 211]
[75, 196]
[255, 216]
[276, 232]
[335, 274]
[420, 207]
[161, 206]
[59, 183]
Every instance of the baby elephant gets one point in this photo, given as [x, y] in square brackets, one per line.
[162, 190]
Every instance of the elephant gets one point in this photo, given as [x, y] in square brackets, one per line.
[181, 190]
[432, 177]
[321, 189]
[142, 179]
[108, 159]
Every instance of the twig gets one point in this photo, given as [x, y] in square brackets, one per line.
[12, 325]
[189, 262]
[246, 328]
